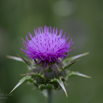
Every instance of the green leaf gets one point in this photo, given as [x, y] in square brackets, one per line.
[54, 80]
[68, 61]
[21, 81]
[77, 74]
[50, 86]
[43, 86]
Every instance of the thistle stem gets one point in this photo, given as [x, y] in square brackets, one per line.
[50, 95]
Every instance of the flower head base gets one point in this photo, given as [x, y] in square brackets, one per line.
[46, 45]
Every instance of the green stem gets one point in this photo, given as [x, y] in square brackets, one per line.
[50, 94]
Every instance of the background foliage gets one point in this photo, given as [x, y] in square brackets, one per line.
[83, 20]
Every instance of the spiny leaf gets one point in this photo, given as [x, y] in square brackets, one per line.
[20, 82]
[77, 74]
[67, 66]
[26, 61]
[29, 63]
[67, 61]
[15, 58]
[79, 56]
[19, 59]
[61, 84]
[34, 74]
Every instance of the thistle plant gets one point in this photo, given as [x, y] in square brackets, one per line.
[48, 64]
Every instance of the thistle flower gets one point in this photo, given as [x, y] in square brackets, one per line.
[47, 45]
[48, 64]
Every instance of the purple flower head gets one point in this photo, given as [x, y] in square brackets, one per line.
[47, 45]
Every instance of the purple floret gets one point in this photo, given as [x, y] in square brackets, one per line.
[46, 45]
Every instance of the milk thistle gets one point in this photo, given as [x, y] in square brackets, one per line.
[48, 51]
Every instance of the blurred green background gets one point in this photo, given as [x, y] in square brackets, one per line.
[82, 19]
